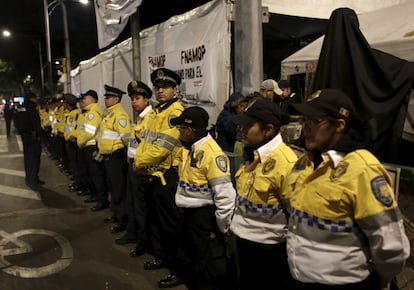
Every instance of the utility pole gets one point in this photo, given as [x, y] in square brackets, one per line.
[48, 50]
[67, 47]
[136, 45]
[248, 45]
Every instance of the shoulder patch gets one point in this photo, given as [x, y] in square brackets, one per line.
[90, 116]
[381, 190]
[268, 166]
[221, 162]
[122, 122]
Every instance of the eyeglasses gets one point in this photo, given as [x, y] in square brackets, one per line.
[313, 122]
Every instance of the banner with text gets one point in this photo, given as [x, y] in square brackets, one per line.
[197, 47]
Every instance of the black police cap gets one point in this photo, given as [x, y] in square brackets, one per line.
[91, 93]
[261, 109]
[166, 75]
[70, 99]
[194, 117]
[139, 88]
[112, 91]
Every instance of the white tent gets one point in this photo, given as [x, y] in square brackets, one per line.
[390, 30]
[306, 8]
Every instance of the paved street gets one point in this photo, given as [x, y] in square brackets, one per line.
[49, 239]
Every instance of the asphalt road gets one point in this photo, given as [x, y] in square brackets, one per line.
[49, 239]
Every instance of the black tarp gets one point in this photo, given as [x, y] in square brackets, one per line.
[378, 83]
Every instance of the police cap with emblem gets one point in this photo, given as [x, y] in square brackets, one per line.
[140, 88]
[260, 109]
[91, 93]
[194, 117]
[112, 91]
[70, 99]
[326, 103]
[165, 74]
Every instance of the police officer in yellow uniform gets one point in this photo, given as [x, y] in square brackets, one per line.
[260, 220]
[114, 133]
[206, 197]
[58, 126]
[154, 160]
[71, 118]
[345, 228]
[136, 204]
[87, 141]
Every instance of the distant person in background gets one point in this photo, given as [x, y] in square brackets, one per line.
[8, 115]
[27, 122]
[225, 127]
[270, 90]
[287, 98]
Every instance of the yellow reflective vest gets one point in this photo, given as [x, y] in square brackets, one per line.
[141, 123]
[71, 123]
[160, 140]
[88, 126]
[205, 180]
[344, 220]
[260, 196]
[114, 130]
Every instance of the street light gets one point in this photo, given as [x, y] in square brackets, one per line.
[8, 34]
[48, 9]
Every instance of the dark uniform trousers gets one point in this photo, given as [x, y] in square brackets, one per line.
[96, 174]
[32, 149]
[204, 247]
[116, 173]
[163, 218]
[262, 266]
[73, 152]
[136, 205]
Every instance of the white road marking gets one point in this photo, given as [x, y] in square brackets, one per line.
[19, 192]
[22, 247]
[12, 172]
[14, 155]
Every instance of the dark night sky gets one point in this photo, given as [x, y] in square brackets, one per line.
[26, 21]
[282, 36]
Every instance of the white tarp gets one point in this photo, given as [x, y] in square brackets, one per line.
[390, 30]
[323, 8]
[195, 44]
[111, 18]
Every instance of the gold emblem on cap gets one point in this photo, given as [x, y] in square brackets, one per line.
[160, 74]
[344, 112]
[315, 95]
[188, 121]
[134, 84]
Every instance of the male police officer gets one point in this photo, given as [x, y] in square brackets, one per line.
[136, 205]
[154, 159]
[114, 133]
[27, 121]
[87, 135]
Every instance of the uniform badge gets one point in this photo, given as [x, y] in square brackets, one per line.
[70, 119]
[196, 159]
[221, 162]
[122, 122]
[339, 170]
[160, 74]
[170, 117]
[268, 166]
[381, 190]
[90, 117]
